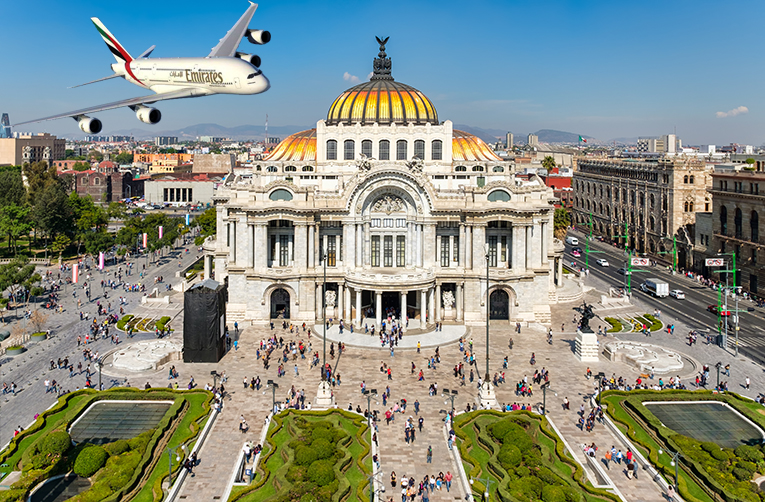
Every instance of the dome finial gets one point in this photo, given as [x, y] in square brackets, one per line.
[382, 63]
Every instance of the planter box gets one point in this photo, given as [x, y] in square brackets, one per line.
[39, 337]
[15, 352]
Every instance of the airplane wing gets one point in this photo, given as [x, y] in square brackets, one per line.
[141, 100]
[228, 44]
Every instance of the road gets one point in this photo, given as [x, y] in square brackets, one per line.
[697, 297]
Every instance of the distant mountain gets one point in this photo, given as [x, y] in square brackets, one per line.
[552, 136]
[488, 135]
[242, 132]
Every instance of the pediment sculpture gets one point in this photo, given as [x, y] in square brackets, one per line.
[388, 204]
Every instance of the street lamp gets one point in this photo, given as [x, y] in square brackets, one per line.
[274, 386]
[544, 397]
[451, 395]
[486, 379]
[487, 485]
[370, 393]
[215, 376]
[324, 317]
[100, 364]
[600, 376]
[718, 366]
[674, 462]
[372, 491]
[170, 451]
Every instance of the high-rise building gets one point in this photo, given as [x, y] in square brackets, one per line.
[509, 140]
[211, 139]
[165, 140]
[667, 144]
[5, 127]
[28, 148]
[120, 139]
[533, 140]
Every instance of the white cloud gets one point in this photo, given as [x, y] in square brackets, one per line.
[732, 113]
[351, 78]
[369, 76]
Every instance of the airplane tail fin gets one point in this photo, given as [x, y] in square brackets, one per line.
[117, 50]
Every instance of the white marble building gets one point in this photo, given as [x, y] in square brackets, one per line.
[407, 211]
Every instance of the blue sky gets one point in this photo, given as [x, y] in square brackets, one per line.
[608, 69]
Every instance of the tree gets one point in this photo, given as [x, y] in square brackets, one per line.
[14, 222]
[123, 158]
[116, 211]
[549, 163]
[561, 221]
[39, 175]
[17, 274]
[38, 320]
[208, 225]
[95, 155]
[89, 219]
[12, 189]
[60, 244]
[81, 166]
[51, 212]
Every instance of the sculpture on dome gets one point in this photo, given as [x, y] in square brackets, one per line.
[448, 298]
[382, 64]
[415, 164]
[364, 163]
[388, 204]
[329, 298]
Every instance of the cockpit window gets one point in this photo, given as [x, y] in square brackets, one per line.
[253, 75]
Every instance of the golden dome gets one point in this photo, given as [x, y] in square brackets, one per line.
[382, 100]
[298, 147]
[466, 147]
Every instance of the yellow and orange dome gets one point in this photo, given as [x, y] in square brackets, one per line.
[382, 101]
[298, 147]
[466, 147]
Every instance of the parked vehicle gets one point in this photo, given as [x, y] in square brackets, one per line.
[655, 287]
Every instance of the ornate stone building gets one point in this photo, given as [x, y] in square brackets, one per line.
[658, 199]
[406, 211]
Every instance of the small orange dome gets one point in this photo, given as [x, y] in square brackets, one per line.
[466, 147]
[298, 147]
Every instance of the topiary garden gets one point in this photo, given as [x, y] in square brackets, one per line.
[524, 456]
[319, 456]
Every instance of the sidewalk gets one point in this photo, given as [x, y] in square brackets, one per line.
[449, 333]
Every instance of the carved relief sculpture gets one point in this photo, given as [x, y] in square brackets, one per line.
[388, 204]
[330, 298]
[448, 298]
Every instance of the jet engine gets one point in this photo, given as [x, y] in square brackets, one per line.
[253, 59]
[89, 125]
[148, 115]
[258, 37]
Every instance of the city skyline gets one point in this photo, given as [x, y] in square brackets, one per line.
[597, 69]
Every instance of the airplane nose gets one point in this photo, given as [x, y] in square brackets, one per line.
[263, 84]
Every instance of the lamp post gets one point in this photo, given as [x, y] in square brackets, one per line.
[370, 393]
[487, 485]
[100, 364]
[170, 451]
[674, 462]
[600, 376]
[718, 365]
[451, 395]
[215, 376]
[372, 492]
[544, 397]
[486, 379]
[274, 386]
[324, 317]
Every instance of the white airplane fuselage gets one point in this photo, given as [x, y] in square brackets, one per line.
[209, 75]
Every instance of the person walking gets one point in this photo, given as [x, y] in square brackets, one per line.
[671, 493]
[747, 383]
[607, 459]
[420, 422]
[430, 454]
[448, 479]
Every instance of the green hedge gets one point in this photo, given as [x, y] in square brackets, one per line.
[123, 321]
[616, 325]
[90, 460]
[162, 322]
[656, 324]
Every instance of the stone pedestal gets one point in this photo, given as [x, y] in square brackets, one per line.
[587, 347]
[486, 395]
[324, 398]
[449, 314]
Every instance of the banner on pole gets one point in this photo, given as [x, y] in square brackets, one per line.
[101, 260]
[640, 262]
[715, 262]
[161, 231]
[188, 219]
[75, 273]
[145, 240]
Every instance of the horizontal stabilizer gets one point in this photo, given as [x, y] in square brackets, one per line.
[147, 52]
[94, 81]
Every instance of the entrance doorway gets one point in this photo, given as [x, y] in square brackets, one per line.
[280, 304]
[499, 305]
[391, 302]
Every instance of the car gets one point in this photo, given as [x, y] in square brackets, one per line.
[576, 250]
[624, 271]
[678, 294]
[713, 309]
[602, 262]
[576, 253]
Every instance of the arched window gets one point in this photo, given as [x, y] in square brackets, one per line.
[652, 223]
[685, 179]
[724, 220]
[738, 221]
[477, 169]
[690, 179]
[436, 149]
[96, 181]
[685, 206]
[271, 169]
[331, 149]
[349, 149]
[754, 226]
[401, 149]
[307, 169]
[280, 194]
[499, 196]
[652, 200]
[290, 169]
[384, 149]
[500, 169]
[460, 169]
[419, 149]
[690, 207]
[366, 148]
[642, 199]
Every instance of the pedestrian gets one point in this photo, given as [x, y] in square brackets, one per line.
[448, 479]
[635, 469]
[420, 423]
[296, 371]
[416, 407]
[430, 454]
[747, 383]
[671, 493]
[607, 459]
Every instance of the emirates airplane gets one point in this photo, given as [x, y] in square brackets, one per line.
[223, 71]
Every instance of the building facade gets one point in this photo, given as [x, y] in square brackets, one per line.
[736, 199]
[402, 211]
[31, 148]
[181, 189]
[656, 199]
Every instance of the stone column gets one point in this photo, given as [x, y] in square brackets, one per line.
[428, 241]
[232, 242]
[248, 254]
[317, 256]
[402, 318]
[529, 247]
[479, 253]
[423, 305]
[260, 250]
[458, 301]
[451, 250]
[301, 245]
[359, 236]
[340, 300]
[311, 244]
[439, 316]
[347, 305]
[349, 241]
[367, 246]
[543, 240]
[378, 309]
[438, 250]
[358, 307]
[432, 304]
[319, 300]
[418, 228]
[410, 244]
[208, 265]
[462, 246]
[468, 247]
[519, 248]
[560, 271]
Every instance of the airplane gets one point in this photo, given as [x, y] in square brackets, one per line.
[223, 71]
